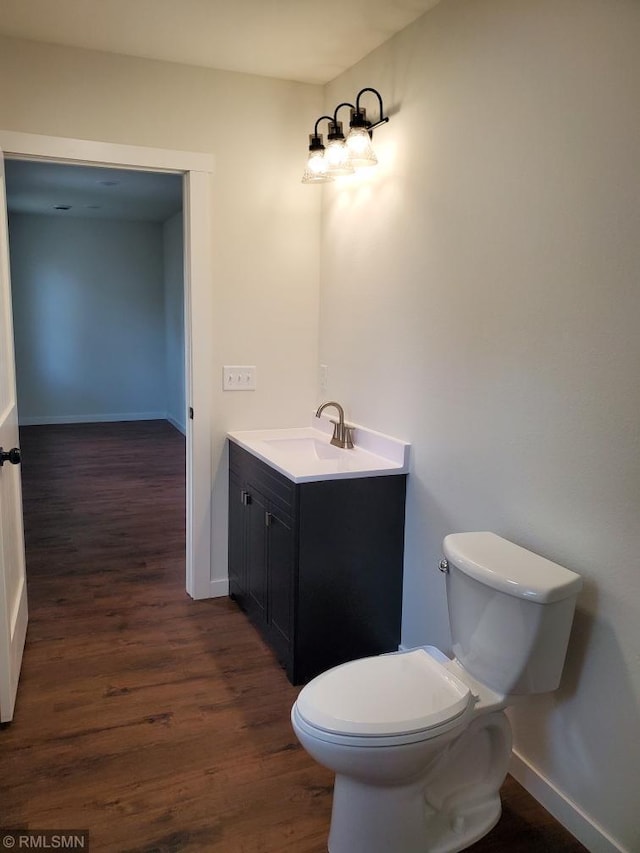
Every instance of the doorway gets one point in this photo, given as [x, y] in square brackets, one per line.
[195, 170]
[98, 307]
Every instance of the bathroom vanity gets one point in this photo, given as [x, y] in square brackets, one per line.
[316, 544]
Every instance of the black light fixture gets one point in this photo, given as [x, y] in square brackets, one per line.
[337, 153]
[342, 156]
[316, 171]
[359, 140]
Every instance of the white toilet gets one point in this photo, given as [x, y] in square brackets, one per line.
[419, 743]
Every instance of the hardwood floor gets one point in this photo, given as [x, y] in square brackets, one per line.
[156, 722]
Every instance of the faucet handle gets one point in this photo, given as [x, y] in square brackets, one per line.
[348, 436]
[342, 435]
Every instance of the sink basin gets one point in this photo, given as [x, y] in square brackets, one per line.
[306, 448]
[304, 454]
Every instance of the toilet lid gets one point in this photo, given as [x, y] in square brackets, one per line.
[385, 695]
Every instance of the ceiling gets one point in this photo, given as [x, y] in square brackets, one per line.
[301, 40]
[91, 192]
[298, 40]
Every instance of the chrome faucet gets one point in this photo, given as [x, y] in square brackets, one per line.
[342, 434]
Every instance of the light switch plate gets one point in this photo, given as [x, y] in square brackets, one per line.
[324, 377]
[239, 377]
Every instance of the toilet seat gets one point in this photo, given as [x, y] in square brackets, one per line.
[396, 698]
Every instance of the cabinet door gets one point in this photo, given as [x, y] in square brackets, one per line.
[237, 579]
[281, 566]
[256, 555]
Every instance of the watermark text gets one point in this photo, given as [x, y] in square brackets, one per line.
[44, 839]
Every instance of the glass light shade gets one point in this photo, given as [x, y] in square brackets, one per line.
[316, 171]
[361, 151]
[317, 162]
[310, 177]
[338, 160]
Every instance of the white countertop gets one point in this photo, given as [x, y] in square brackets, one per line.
[305, 455]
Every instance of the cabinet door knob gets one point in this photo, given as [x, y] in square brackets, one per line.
[268, 518]
[245, 497]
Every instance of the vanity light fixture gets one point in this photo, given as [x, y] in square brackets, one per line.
[342, 156]
[359, 139]
[324, 164]
[317, 165]
[337, 153]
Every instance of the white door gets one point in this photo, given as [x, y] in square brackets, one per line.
[13, 581]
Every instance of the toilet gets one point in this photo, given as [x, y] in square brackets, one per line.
[419, 742]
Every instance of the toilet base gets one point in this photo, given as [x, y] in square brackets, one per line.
[452, 806]
[398, 820]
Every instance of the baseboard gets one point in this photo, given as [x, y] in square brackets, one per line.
[109, 417]
[219, 587]
[174, 423]
[564, 810]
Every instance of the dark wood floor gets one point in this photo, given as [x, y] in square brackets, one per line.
[157, 722]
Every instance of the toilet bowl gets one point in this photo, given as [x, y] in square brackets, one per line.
[419, 742]
[419, 756]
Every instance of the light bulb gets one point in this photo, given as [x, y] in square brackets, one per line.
[338, 160]
[317, 163]
[316, 171]
[361, 152]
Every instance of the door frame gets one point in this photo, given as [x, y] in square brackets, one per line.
[196, 169]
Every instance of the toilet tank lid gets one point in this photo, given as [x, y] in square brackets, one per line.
[509, 568]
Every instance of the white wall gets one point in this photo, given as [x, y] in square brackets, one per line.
[264, 238]
[173, 249]
[265, 222]
[480, 298]
[88, 308]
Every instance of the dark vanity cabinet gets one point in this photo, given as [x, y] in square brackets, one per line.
[316, 566]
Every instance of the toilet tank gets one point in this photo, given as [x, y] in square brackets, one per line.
[510, 612]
